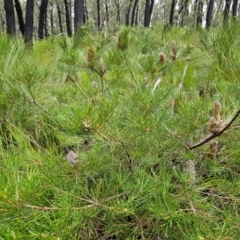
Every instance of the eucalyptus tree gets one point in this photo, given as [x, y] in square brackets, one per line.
[59, 12]
[78, 14]
[134, 13]
[226, 11]
[42, 19]
[19, 15]
[171, 18]
[68, 18]
[127, 15]
[117, 3]
[29, 22]
[209, 14]
[98, 15]
[148, 12]
[234, 9]
[10, 17]
[199, 9]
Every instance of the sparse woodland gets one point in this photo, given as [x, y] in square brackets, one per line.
[121, 131]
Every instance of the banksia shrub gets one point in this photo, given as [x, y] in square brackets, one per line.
[216, 124]
[162, 57]
[173, 51]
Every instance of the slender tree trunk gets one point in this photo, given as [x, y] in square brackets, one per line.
[70, 14]
[10, 17]
[68, 23]
[46, 23]
[209, 14]
[127, 15]
[42, 18]
[226, 11]
[137, 16]
[29, 21]
[134, 12]
[107, 12]
[1, 23]
[148, 12]
[183, 11]
[20, 16]
[171, 18]
[195, 6]
[151, 9]
[98, 15]
[51, 18]
[118, 11]
[234, 9]
[78, 14]
[199, 13]
[85, 16]
[60, 18]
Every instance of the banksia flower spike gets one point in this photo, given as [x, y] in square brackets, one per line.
[213, 148]
[216, 124]
[173, 51]
[191, 170]
[90, 56]
[162, 57]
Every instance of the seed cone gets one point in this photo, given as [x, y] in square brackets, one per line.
[162, 57]
[216, 124]
[173, 51]
[213, 148]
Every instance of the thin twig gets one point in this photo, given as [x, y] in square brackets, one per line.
[129, 69]
[208, 138]
[33, 100]
[183, 76]
[74, 208]
[128, 156]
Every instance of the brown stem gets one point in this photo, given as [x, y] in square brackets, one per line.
[208, 138]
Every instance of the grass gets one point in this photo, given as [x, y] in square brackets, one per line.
[131, 180]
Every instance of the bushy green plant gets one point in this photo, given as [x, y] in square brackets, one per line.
[131, 121]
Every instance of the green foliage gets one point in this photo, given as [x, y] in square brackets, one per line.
[130, 118]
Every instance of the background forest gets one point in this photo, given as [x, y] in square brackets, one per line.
[119, 120]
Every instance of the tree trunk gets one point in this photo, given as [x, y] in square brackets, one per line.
[59, 18]
[137, 16]
[78, 14]
[127, 15]
[134, 12]
[46, 23]
[148, 12]
[226, 11]
[20, 16]
[29, 20]
[209, 14]
[98, 16]
[118, 11]
[151, 9]
[199, 13]
[10, 17]
[107, 12]
[234, 9]
[68, 23]
[1, 23]
[171, 18]
[42, 18]
[51, 18]
[85, 16]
